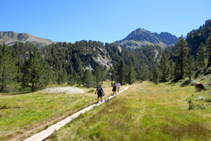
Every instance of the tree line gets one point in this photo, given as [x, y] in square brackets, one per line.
[181, 63]
[24, 66]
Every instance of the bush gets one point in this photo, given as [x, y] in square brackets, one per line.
[186, 83]
[208, 100]
[91, 91]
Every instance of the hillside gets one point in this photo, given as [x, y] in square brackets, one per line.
[10, 37]
[195, 37]
[141, 37]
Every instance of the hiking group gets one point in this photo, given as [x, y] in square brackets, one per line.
[101, 93]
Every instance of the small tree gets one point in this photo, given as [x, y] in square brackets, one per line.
[87, 79]
[189, 65]
[171, 69]
[121, 73]
[200, 56]
[155, 75]
[164, 67]
[131, 73]
[98, 75]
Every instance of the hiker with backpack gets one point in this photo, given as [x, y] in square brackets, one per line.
[100, 93]
[114, 88]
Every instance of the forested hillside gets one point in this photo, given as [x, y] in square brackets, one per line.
[198, 36]
[76, 64]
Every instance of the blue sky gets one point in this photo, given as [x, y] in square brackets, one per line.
[101, 20]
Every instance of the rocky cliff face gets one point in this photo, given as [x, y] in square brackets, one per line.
[142, 37]
[10, 37]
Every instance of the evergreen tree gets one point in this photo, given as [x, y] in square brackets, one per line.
[8, 70]
[209, 51]
[189, 65]
[62, 77]
[171, 69]
[37, 72]
[121, 73]
[200, 56]
[98, 75]
[131, 73]
[87, 79]
[164, 67]
[181, 54]
[155, 75]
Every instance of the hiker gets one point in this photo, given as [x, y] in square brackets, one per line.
[118, 87]
[114, 88]
[100, 93]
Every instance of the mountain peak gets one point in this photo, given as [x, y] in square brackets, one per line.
[141, 37]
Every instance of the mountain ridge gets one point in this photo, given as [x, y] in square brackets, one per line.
[141, 37]
[10, 37]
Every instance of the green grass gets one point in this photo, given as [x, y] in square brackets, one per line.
[20, 113]
[144, 112]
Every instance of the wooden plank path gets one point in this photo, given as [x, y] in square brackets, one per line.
[50, 130]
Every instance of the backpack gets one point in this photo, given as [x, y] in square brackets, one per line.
[99, 90]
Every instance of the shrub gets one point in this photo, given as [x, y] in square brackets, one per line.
[91, 91]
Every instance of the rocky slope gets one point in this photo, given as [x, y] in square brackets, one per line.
[10, 37]
[141, 37]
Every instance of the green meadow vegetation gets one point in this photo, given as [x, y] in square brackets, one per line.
[20, 113]
[145, 112]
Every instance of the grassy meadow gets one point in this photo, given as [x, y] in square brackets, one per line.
[145, 112]
[33, 112]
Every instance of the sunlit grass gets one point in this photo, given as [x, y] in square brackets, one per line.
[144, 112]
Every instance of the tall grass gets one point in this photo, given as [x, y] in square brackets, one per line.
[144, 112]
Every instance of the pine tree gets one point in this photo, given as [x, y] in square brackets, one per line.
[209, 51]
[98, 75]
[200, 56]
[155, 75]
[181, 54]
[131, 73]
[189, 65]
[121, 73]
[171, 69]
[37, 72]
[87, 79]
[164, 67]
[8, 70]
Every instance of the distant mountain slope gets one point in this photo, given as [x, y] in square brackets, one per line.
[195, 37]
[10, 37]
[141, 37]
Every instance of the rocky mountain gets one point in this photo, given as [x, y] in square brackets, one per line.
[195, 37]
[10, 37]
[141, 37]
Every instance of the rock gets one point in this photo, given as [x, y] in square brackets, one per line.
[200, 98]
[199, 86]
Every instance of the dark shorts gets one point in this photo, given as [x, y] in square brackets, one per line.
[114, 89]
[100, 95]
